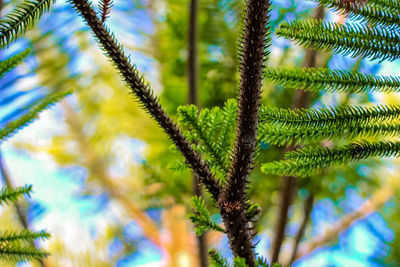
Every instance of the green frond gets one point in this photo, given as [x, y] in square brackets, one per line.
[348, 39]
[202, 218]
[372, 12]
[20, 19]
[347, 153]
[12, 62]
[311, 160]
[253, 210]
[321, 79]
[225, 139]
[281, 136]
[13, 126]
[16, 253]
[332, 117]
[390, 4]
[216, 259]
[262, 262]
[239, 262]
[9, 194]
[202, 130]
[23, 235]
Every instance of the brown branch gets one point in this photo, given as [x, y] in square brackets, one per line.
[288, 183]
[193, 99]
[308, 205]
[145, 96]
[232, 202]
[368, 207]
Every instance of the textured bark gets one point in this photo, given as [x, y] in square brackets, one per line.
[144, 94]
[232, 202]
[288, 183]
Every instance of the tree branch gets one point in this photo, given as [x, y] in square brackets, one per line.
[145, 96]
[368, 207]
[232, 202]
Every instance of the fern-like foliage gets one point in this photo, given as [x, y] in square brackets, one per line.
[13, 126]
[216, 259]
[105, 9]
[16, 246]
[12, 62]
[313, 79]
[211, 133]
[309, 127]
[8, 194]
[348, 39]
[20, 19]
[202, 218]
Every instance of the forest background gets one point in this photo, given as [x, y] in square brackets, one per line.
[106, 182]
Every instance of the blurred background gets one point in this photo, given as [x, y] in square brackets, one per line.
[103, 172]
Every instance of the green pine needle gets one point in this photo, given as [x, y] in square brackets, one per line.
[16, 253]
[12, 127]
[12, 62]
[348, 39]
[312, 79]
[239, 262]
[332, 117]
[202, 218]
[216, 259]
[9, 194]
[20, 19]
[23, 235]
[372, 12]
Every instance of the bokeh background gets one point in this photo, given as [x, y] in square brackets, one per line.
[104, 176]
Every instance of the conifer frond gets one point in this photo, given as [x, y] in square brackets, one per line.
[373, 13]
[8, 194]
[281, 136]
[13, 126]
[239, 262]
[338, 117]
[348, 39]
[202, 218]
[105, 9]
[188, 117]
[20, 19]
[23, 235]
[12, 62]
[390, 4]
[216, 259]
[321, 79]
[17, 253]
[311, 160]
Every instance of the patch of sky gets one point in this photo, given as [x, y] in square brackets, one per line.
[215, 53]
[155, 214]
[322, 215]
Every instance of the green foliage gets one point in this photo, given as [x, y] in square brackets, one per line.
[8, 194]
[17, 246]
[211, 131]
[239, 262]
[202, 218]
[216, 259]
[20, 19]
[13, 126]
[313, 79]
[373, 12]
[348, 39]
[312, 126]
[12, 62]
